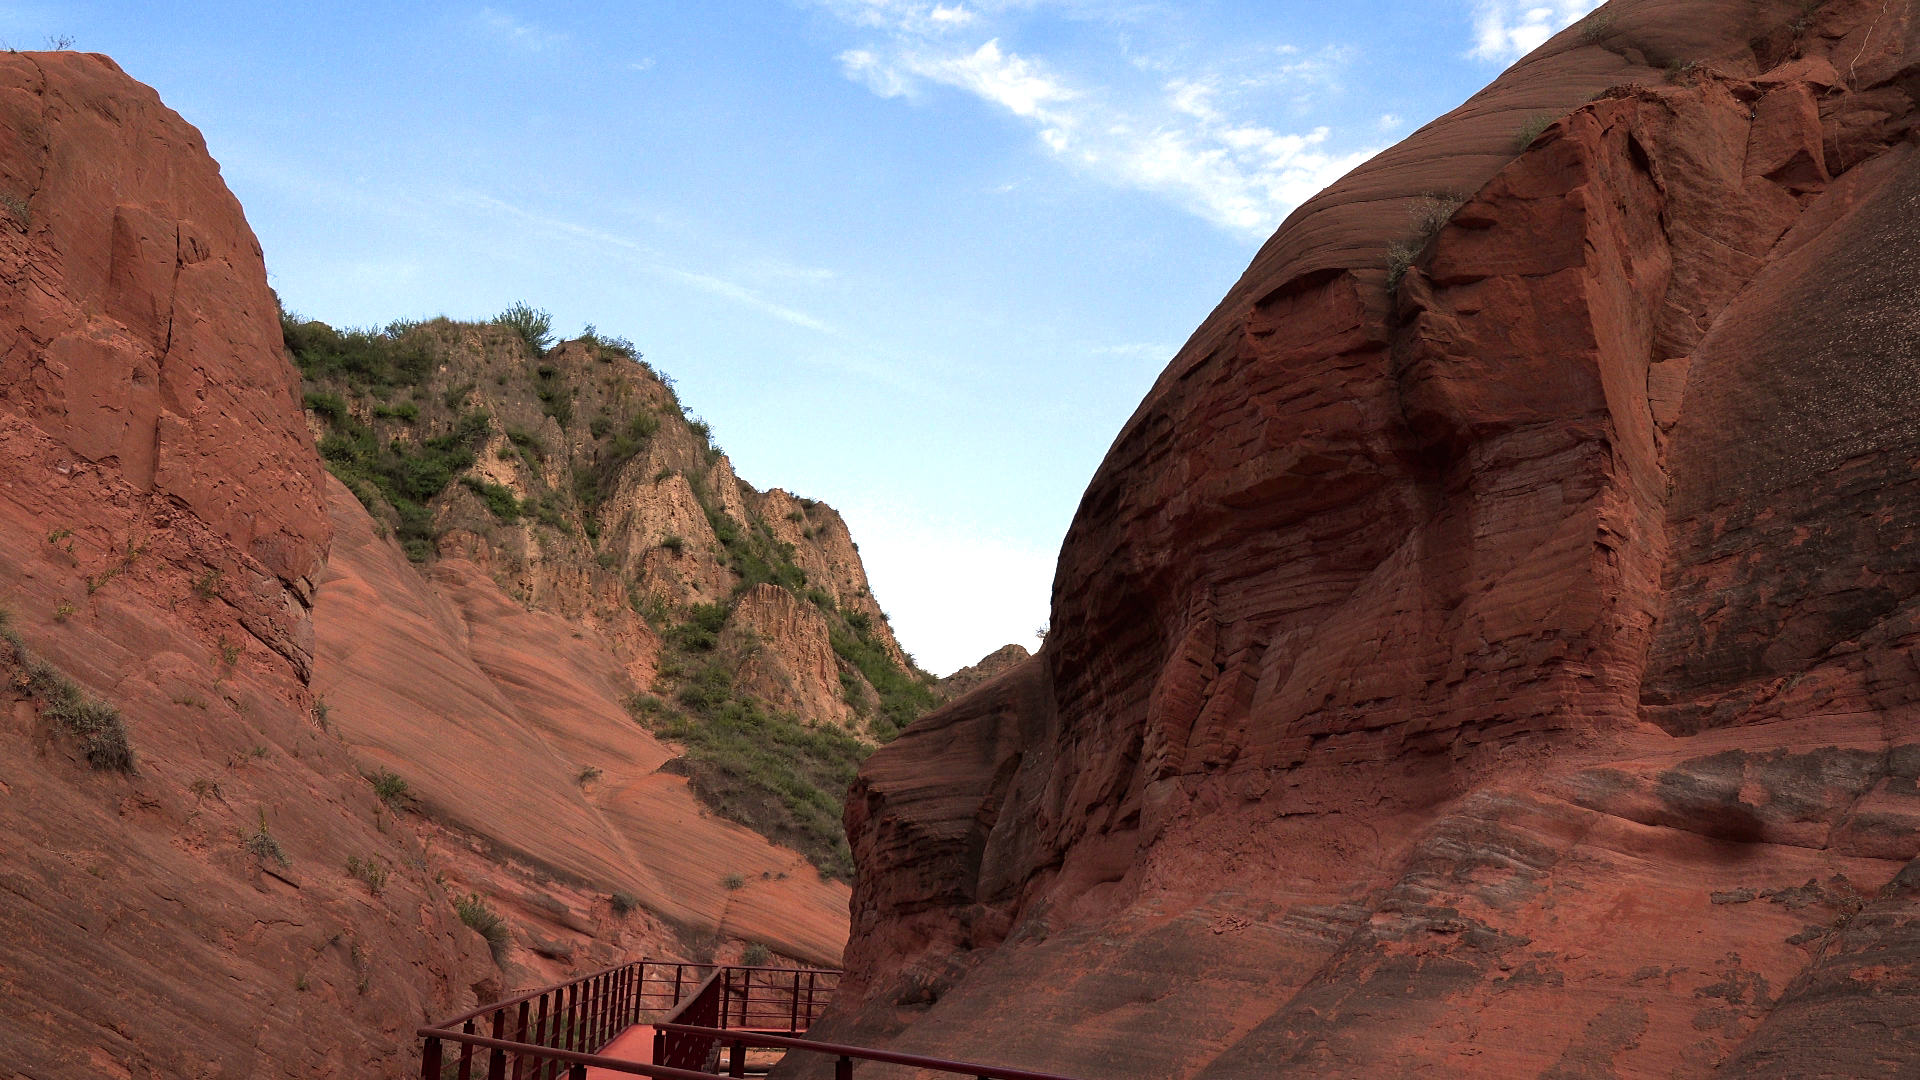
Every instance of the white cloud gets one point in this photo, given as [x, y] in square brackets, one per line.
[953, 593]
[514, 32]
[1179, 138]
[1506, 30]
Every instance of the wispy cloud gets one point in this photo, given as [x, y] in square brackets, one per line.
[645, 259]
[1184, 136]
[1506, 30]
[520, 34]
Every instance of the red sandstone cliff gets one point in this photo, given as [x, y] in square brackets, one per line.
[1504, 671]
[175, 566]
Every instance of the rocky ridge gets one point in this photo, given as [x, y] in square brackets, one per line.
[571, 476]
[1487, 649]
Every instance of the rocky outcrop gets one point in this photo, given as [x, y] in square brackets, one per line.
[1489, 657]
[991, 666]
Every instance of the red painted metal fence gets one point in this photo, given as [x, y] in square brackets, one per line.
[556, 1030]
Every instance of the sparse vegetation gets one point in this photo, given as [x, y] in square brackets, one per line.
[770, 773]
[1678, 70]
[370, 873]
[98, 726]
[484, 921]
[1530, 130]
[62, 610]
[208, 587]
[401, 474]
[674, 544]
[756, 955]
[204, 789]
[733, 882]
[1595, 26]
[625, 903]
[322, 712]
[588, 774]
[903, 697]
[262, 843]
[391, 789]
[1428, 213]
[18, 208]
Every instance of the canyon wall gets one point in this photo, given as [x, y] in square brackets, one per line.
[1487, 649]
[260, 730]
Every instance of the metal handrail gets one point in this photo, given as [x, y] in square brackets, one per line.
[551, 1026]
[736, 1036]
[579, 1061]
[529, 995]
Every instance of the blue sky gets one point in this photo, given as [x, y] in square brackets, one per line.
[920, 260]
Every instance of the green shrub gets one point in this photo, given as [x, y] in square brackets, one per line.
[331, 407]
[499, 498]
[363, 359]
[404, 475]
[701, 631]
[674, 544]
[625, 903]
[406, 410]
[756, 955]
[556, 397]
[588, 774]
[456, 396]
[486, 922]
[903, 697]
[733, 882]
[534, 327]
[526, 440]
[391, 789]
[1595, 26]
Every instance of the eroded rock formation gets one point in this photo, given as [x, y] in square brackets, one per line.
[1502, 667]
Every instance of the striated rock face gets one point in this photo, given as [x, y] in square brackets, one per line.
[141, 334]
[1504, 670]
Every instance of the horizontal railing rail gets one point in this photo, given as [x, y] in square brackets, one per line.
[740, 1040]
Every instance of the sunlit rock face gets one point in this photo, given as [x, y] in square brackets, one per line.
[1501, 667]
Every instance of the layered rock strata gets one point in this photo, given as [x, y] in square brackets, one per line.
[1493, 660]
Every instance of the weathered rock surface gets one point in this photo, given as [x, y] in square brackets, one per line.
[1506, 674]
[991, 666]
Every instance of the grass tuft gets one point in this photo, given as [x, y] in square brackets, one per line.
[369, 872]
[1427, 214]
[625, 903]
[756, 955]
[1530, 130]
[98, 726]
[484, 921]
[262, 844]
[534, 327]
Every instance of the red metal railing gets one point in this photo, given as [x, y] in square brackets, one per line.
[555, 1030]
[738, 1041]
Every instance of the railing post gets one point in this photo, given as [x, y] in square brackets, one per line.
[737, 1059]
[466, 1053]
[746, 991]
[793, 1023]
[578, 1072]
[572, 1032]
[520, 1036]
[659, 1047]
[497, 1060]
[843, 1069]
[677, 970]
[810, 979]
[430, 1060]
[726, 995]
[543, 1069]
